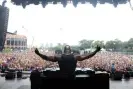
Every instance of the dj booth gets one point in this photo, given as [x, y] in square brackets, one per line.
[84, 79]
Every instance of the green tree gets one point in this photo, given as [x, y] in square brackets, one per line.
[7, 50]
[76, 47]
[59, 46]
[109, 45]
[130, 43]
[115, 45]
[99, 43]
[84, 44]
[118, 44]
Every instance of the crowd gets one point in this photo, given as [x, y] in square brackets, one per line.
[102, 60]
[105, 60]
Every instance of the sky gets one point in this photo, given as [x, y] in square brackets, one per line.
[55, 24]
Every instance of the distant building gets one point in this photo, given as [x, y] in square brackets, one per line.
[15, 41]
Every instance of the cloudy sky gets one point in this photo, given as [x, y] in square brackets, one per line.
[55, 24]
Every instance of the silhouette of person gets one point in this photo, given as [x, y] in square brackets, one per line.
[67, 61]
[113, 68]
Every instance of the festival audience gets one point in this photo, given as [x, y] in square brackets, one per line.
[102, 60]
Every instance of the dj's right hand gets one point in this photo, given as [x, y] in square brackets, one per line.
[36, 51]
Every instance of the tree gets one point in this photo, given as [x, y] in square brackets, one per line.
[84, 44]
[75, 47]
[58, 47]
[99, 43]
[7, 50]
[124, 46]
[109, 45]
[130, 44]
[118, 44]
[115, 45]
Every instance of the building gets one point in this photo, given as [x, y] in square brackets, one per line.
[4, 15]
[15, 41]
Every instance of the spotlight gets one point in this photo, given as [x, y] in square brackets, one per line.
[83, 1]
[36, 2]
[17, 2]
[24, 3]
[64, 3]
[75, 3]
[55, 2]
[44, 3]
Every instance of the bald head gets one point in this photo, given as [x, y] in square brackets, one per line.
[67, 49]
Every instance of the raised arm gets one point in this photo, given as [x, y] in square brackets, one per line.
[80, 58]
[44, 57]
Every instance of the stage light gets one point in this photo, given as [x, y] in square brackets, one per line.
[75, 3]
[82, 1]
[102, 1]
[115, 3]
[64, 3]
[44, 3]
[16, 2]
[55, 2]
[36, 2]
[24, 3]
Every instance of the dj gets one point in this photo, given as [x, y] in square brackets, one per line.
[67, 61]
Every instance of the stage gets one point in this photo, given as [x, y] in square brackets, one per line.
[25, 84]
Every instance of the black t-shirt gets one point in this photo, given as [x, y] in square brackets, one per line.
[67, 64]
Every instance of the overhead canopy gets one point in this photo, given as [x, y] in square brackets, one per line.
[24, 3]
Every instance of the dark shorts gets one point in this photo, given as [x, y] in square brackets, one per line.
[112, 70]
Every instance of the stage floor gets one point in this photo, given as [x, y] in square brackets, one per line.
[25, 84]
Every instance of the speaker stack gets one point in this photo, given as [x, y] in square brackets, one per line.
[131, 73]
[126, 75]
[35, 79]
[117, 75]
[11, 74]
[4, 15]
[19, 74]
